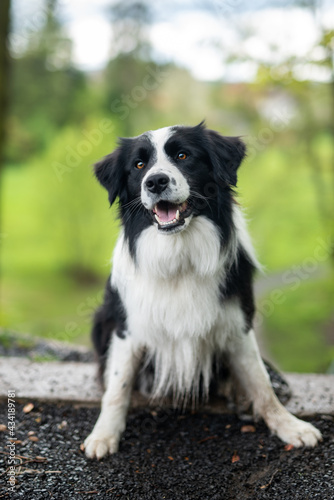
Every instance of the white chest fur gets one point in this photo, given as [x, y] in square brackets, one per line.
[173, 289]
[171, 297]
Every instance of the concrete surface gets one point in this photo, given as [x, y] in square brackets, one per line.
[76, 382]
[49, 380]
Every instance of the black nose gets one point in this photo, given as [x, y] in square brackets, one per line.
[157, 183]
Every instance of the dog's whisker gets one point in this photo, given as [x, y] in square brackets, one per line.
[132, 210]
[195, 194]
[135, 201]
[202, 198]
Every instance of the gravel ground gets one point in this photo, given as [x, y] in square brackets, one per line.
[163, 455]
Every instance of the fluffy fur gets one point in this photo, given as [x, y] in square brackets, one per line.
[179, 303]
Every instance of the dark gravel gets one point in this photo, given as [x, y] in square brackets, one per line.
[163, 454]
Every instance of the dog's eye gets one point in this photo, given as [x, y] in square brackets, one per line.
[181, 156]
[140, 164]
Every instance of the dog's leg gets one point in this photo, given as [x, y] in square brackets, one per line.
[121, 368]
[248, 366]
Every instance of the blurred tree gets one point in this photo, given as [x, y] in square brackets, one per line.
[130, 20]
[131, 52]
[295, 78]
[46, 90]
[4, 67]
[315, 103]
[322, 57]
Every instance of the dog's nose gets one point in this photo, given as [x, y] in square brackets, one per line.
[157, 183]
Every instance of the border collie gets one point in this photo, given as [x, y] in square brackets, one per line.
[179, 304]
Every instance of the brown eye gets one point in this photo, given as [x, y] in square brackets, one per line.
[181, 156]
[140, 164]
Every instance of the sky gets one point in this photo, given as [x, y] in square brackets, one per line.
[189, 32]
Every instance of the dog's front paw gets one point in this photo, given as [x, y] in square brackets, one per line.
[297, 432]
[98, 445]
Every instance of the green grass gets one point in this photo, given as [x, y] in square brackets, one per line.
[281, 206]
[58, 234]
[52, 220]
[38, 358]
[51, 305]
[299, 332]
[5, 339]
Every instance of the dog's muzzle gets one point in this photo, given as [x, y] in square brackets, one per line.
[169, 213]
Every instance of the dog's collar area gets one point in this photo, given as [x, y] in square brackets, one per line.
[169, 215]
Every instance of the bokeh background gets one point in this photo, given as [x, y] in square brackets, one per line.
[75, 75]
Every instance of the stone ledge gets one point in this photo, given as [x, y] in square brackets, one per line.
[76, 382]
[50, 380]
[311, 394]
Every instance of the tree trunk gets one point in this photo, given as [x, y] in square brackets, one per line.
[4, 67]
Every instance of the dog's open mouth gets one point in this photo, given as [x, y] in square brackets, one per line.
[170, 215]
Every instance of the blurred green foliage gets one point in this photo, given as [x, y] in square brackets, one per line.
[57, 230]
[301, 329]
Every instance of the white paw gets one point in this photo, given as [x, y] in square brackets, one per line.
[297, 432]
[98, 445]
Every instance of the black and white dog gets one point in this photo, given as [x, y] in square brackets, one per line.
[180, 296]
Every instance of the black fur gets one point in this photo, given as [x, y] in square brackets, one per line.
[110, 317]
[239, 283]
[211, 172]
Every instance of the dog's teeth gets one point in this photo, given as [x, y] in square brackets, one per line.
[177, 216]
[183, 206]
[168, 223]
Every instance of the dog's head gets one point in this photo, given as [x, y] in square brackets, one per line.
[172, 174]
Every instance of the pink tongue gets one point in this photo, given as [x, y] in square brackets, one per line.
[166, 212]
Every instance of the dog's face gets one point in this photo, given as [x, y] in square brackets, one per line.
[171, 175]
[166, 185]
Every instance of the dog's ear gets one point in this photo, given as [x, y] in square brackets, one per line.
[226, 154]
[109, 172]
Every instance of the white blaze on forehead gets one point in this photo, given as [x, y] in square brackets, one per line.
[178, 191]
[159, 138]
